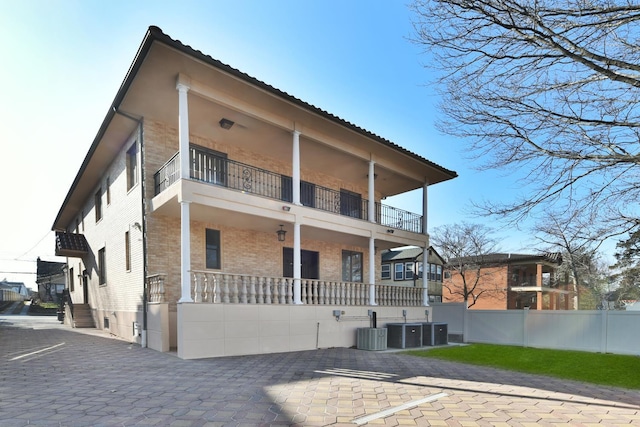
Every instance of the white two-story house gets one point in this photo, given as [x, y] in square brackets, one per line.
[219, 215]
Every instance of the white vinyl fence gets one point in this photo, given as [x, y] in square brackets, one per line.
[600, 331]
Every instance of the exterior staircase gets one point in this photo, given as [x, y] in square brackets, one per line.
[82, 317]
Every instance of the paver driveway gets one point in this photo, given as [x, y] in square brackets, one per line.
[54, 376]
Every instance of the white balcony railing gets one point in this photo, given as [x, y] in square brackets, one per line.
[220, 288]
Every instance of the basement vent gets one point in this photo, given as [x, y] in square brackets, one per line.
[106, 323]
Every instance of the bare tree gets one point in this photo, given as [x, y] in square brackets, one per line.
[572, 235]
[548, 88]
[466, 250]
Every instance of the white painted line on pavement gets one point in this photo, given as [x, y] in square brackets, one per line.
[390, 411]
[36, 352]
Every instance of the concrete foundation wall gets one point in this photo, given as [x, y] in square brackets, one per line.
[215, 330]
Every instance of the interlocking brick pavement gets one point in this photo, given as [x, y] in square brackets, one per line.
[51, 375]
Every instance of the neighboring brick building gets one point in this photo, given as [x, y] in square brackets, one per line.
[511, 281]
[206, 185]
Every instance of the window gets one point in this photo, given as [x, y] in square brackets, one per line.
[398, 271]
[447, 275]
[78, 225]
[432, 272]
[127, 251]
[132, 166]
[108, 191]
[98, 203]
[408, 271]
[351, 266]
[307, 191]
[82, 220]
[71, 280]
[438, 273]
[102, 266]
[386, 271]
[212, 249]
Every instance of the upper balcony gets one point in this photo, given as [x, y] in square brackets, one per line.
[214, 168]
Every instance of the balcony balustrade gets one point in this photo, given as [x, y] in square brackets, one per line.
[224, 288]
[213, 168]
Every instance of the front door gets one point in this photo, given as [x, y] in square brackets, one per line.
[85, 288]
[310, 260]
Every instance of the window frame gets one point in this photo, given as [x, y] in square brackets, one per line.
[102, 266]
[408, 270]
[214, 246]
[132, 166]
[127, 250]
[388, 272]
[97, 201]
[396, 271]
[348, 266]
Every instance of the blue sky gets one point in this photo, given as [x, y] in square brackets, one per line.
[63, 61]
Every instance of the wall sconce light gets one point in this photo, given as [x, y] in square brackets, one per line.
[286, 208]
[390, 230]
[226, 123]
[281, 234]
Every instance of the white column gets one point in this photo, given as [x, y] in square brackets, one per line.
[297, 263]
[372, 194]
[425, 250]
[425, 203]
[185, 226]
[185, 252]
[183, 130]
[425, 276]
[295, 174]
[372, 271]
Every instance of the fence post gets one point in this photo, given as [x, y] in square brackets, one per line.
[525, 327]
[603, 331]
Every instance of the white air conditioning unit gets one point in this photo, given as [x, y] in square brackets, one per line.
[372, 338]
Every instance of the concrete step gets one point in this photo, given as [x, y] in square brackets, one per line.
[82, 317]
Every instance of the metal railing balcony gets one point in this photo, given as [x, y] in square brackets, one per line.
[214, 168]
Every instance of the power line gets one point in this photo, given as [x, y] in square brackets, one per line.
[34, 246]
[17, 272]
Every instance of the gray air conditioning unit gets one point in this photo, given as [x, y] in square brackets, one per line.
[435, 334]
[372, 338]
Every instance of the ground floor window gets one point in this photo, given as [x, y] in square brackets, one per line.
[351, 266]
[386, 271]
[102, 265]
[212, 249]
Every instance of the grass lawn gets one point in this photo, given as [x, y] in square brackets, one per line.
[596, 368]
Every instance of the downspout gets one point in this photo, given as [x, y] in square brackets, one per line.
[140, 121]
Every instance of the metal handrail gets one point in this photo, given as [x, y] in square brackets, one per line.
[213, 168]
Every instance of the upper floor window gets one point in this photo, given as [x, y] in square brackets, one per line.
[351, 266]
[108, 191]
[132, 166]
[98, 204]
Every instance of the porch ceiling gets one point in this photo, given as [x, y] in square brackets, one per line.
[265, 126]
[245, 221]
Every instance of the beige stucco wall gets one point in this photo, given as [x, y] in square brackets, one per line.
[215, 330]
